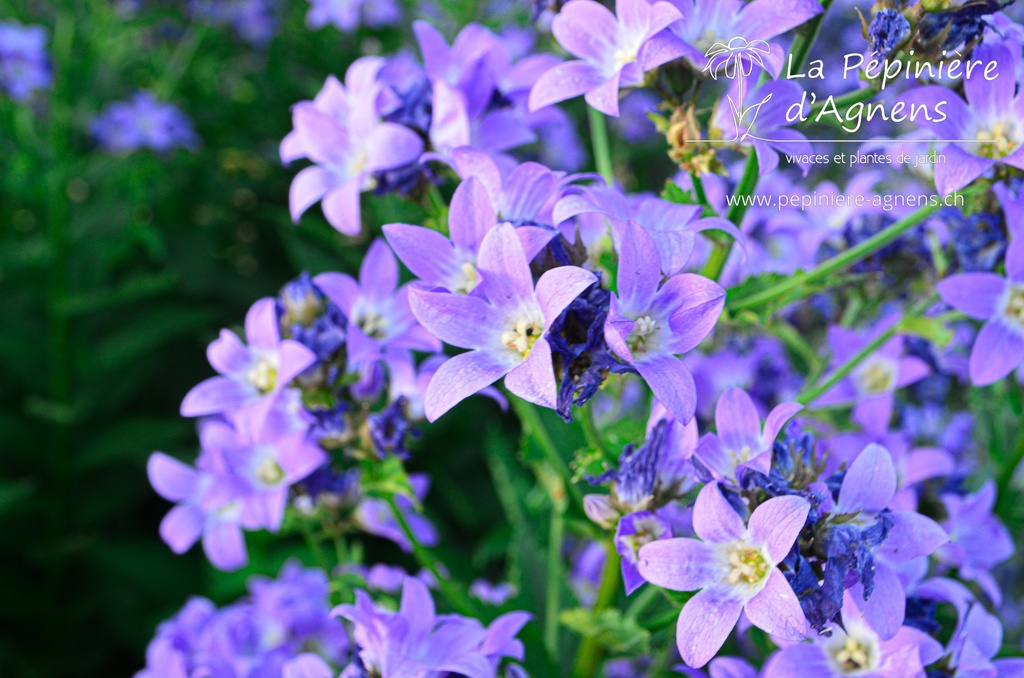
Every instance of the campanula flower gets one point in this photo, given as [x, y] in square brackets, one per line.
[347, 15]
[740, 441]
[505, 327]
[991, 119]
[613, 51]
[855, 649]
[999, 301]
[249, 372]
[633, 532]
[380, 319]
[143, 122]
[872, 384]
[342, 133]
[650, 321]
[734, 567]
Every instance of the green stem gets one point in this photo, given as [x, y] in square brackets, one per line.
[809, 395]
[844, 259]
[593, 435]
[646, 596]
[602, 150]
[179, 61]
[314, 547]
[555, 576]
[458, 600]
[748, 182]
[588, 659]
[532, 425]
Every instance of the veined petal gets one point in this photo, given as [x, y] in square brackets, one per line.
[1015, 258]
[340, 288]
[885, 609]
[505, 273]
[696, 303]
[777, 523]
[714, 519]
[960, 168]
[378, 274]
[776, 610]
[533, 380]
[671, 383]
[737, 421]
[706, 621]
[587, 30]
[679, 564]
[460, 377]
[605, 97]
[308, 187]
[564, 81]
[171, 479]
[912, 536]
[471, 215]
[461, 320]
[775, 420]
[559, 287]
[870, 482]
[426, 253]
[997, 351]
[216, 394]
[976, 295]
[391, 145]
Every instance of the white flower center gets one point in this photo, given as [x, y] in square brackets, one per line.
[263, 375]
[747, 564]
[269, 472]
[468, 281]
[522, 335]
[644, 329]
[647, 530]
[876, 376]
[1002, 140]
[1013, 306]
[853, 656]
[373, 324]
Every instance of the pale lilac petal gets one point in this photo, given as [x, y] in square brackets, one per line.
[796, 661]
[559, 287]
[957, 113]
[635, 15]
[765, 19]
[227, 354]
[912, 369]
[714, 455]
[340, 288]
[534, 239]
[873, 413]
[306, 665]
[391, 145]
[294, 359]
[775, 420]
[706, 621]
[976, 295]
[927, 462]
[776, 610]
[714, 518]
[433, 47]
[870, 482]
[960, 169]
[308, 187]
[998, 350]
[171, 479]
[660, 49]
[527, 189]
[912, 536]
[639, 269]
[886, 608]
[322, 138]
[671, 383]
[679, 564]
[534, 379]
[737, 420]
[473, 162]
[562, 82]
[991, 99]
[378, 274]
[697, 303]
[605, 97]
[449, 124]
[341, 207]
[457, 319]
[417, 607]
[777, 523]
[503, 268]
[261, 329]
[181, 527]
[1015, 258]
[426, 253]
[470, 216]
[216, 394]
[225, 546]
[460, 377]
[586, 29]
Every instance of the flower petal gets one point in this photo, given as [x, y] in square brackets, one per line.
[777, 523]
[559, 287]
[678, 564]
[706, 621]
[737, 421]
[171, 479]
[534, 379]
[562, 82]
[976, 295]
[776, 610]
[457, 319]
[181, 527]
[714, 518]
[870, 482]
[671, 383]
[460, 377]
[997, 351]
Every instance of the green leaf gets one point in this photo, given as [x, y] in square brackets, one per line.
[932, 329]
[387, 478]
[613, 631]
[674, 194]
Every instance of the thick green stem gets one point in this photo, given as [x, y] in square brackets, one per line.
[458, 600]
[588, 659]
[602, 150]
[842, 260]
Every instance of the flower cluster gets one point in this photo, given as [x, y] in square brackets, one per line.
[24, 61]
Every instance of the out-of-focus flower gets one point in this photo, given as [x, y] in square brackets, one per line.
[143, 122]
[347, 15]
[254, 21]
[887, 30]
[24, 62]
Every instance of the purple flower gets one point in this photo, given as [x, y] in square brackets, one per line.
[992, 114]
[451, 264]
[376, 517]
[380, 319]
[414, 643]
[634, 531]
[523, 195]
[733, 566]
[861, 511]
[999, 347]
[614, 51]
[855, 649]
[504, 327]
[707, 22]
[492, 594]
[345, 15]
[248, 372]
[142, 122]
[871, 385]
[650, 322]
[740, 441]
[254, 21]
[341, 132]
[887, 30]
[24, 62]
[978, 539]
